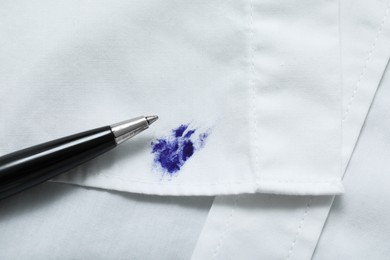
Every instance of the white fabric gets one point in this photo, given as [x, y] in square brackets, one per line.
[365, 41]
[365, 53]
[295, 78]
[357, 228]
[262, 77]
[44, 60]
[262, 227]
[58, 221]
[358, 225]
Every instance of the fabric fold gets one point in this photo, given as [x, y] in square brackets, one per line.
[365, 44]
[248, 94]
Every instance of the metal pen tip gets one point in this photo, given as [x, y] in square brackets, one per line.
[151, 119]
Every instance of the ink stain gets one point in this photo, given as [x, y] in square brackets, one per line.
[171, 153]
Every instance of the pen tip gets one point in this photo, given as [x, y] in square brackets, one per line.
[151, 119]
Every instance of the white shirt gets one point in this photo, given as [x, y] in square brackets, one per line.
[262, 78]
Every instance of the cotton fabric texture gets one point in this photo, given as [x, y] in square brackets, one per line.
[216, 65]
[365, 45]
[271, 82]
[61, 221]
[361, 214]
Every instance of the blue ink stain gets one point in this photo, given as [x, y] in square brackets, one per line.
[180, 130]
[173, 151]
[189, 133]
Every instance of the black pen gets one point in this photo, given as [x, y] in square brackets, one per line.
[26, 168]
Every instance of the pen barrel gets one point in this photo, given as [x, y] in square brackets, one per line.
[31, 166]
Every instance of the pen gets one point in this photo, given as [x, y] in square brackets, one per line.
[26, 168]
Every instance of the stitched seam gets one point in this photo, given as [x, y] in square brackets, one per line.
[252, 83]
[253, 130]
[226, 229]
[362, 73]
[364, 69]
[301, 222]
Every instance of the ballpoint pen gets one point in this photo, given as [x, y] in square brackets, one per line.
[26, 168]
